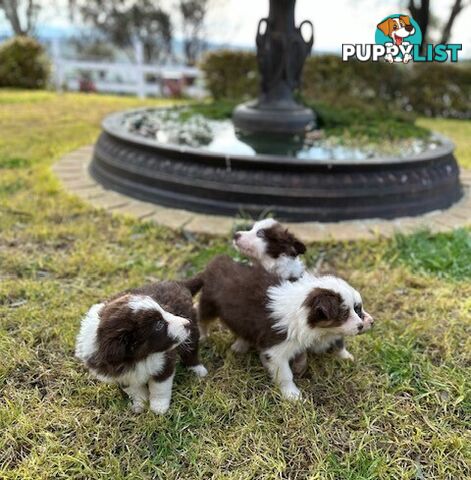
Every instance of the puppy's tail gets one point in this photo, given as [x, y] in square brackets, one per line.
[194, 284]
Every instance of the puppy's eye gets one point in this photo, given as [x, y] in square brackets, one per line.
[358, 310]
[395, 27]
[261, 233]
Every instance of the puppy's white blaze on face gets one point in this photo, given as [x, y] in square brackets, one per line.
[353, 325]
[143, 302]
[177, 327]
[249, 242]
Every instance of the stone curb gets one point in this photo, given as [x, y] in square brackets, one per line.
[72, 171]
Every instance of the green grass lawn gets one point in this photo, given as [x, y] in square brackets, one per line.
[401, 411]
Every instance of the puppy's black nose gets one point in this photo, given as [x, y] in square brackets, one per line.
[409, 28]
[360, 327]
[236, 236]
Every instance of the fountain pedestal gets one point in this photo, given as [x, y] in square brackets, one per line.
[281, 53]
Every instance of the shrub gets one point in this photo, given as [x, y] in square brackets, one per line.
[231, 74]
[438, 90]
[23, 64]
[427, 89]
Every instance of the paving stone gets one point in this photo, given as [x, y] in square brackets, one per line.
[72, 170]
[344, 231]
[136, 208]
[67, 168]
[71, 177]
[91, 193]
[465, 176]
[211, 225]
[462, 212]
[79, 184]
[111, 200]
[309, 231]
[172, 218]
[449, 220]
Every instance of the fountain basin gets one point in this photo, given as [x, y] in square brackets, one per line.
[290, 186]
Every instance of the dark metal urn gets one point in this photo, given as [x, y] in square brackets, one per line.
[281, 53]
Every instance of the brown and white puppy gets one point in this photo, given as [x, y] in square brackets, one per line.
[277, 249]
[280, 318]
[133, 338]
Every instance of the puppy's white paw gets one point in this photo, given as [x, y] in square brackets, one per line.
[159, 406]
[291, 392]
[137, 407]
[344, 354]
[199, 370]
[240, 346]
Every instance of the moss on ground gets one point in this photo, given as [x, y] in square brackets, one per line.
[401, 411]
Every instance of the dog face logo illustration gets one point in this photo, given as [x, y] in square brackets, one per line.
[397, 28]
[401, 32]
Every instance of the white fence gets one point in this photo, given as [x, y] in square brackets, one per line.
[132, 78]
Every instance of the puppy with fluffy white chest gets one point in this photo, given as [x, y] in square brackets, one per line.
[278, 251]
[133, 340]
[280, 318]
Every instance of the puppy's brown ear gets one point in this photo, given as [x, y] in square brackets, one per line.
[325, 308]
[386, 26]
[116, 346]
[299, 247]
[405, 19]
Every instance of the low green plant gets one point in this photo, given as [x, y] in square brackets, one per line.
[446, 255]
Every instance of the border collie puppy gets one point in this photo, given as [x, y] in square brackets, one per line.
[277, 249]
[280, 318]
[133, 338]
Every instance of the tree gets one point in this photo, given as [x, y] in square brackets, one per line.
[193, 15]
[17, 10]
[421, 11]
[123, 22]
[457, 8]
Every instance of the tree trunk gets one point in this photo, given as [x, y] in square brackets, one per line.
[455, 11]
[421, 14]
[11, 9]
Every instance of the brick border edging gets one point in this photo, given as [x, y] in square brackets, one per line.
[72, 171]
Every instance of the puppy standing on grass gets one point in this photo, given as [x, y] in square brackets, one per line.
[133, 338]
[278, 251]
[280, 318]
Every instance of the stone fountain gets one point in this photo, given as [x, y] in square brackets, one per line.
[262, 162]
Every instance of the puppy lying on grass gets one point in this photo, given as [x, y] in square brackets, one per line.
[133, 338]
[280, 318]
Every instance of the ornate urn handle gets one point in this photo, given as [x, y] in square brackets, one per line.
[309, 43]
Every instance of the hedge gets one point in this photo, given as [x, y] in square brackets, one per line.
[431, 89]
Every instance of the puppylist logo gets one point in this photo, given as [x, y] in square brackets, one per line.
[398, 39]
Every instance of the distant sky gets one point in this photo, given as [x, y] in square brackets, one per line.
[335, 21]
[234, 22]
